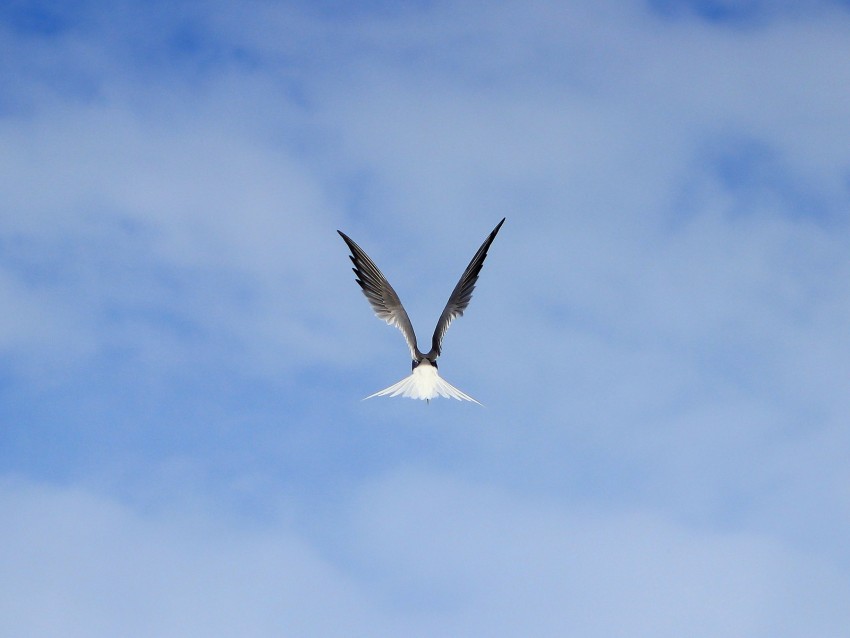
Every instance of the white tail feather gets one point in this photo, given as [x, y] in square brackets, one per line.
[424, 383]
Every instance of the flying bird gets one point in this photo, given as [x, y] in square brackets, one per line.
[424, 382]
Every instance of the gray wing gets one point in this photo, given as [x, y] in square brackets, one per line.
[381, 296]
[462, 294]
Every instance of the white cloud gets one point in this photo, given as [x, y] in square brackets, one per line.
[515, 566]
[194, 218]
[418, 554]
[76, 564]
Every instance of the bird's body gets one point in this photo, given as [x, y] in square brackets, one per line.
[424, 382]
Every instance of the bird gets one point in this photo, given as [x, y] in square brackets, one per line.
[424, 382]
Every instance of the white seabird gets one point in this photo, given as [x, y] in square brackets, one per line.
[424, 382]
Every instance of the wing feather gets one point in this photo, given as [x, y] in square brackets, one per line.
[380, 294]
[462, 294]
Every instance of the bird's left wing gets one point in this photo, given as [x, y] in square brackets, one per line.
[380, 293]
[462, 294]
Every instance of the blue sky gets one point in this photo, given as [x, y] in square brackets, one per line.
[659, 335]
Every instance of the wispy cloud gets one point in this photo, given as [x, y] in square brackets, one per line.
[419, 555]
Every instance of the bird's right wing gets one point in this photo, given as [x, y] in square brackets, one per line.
[380, 293]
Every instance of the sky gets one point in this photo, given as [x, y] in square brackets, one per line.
[660, 335]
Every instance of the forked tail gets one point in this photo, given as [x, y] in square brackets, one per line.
[424, 383]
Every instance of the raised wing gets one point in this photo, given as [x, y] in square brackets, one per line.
[381, 296]
[462, 294]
